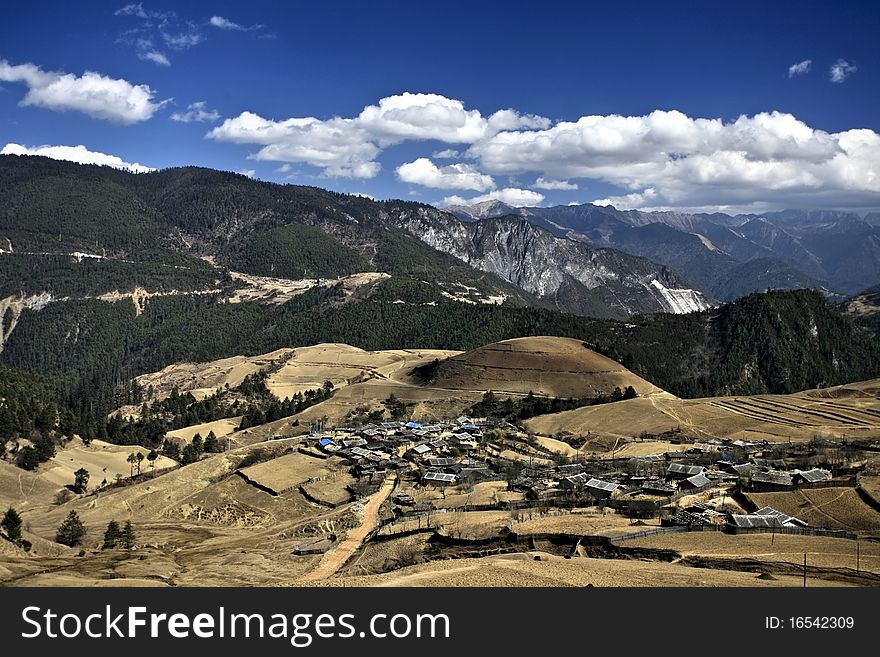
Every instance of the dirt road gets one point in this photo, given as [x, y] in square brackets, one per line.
[337, 556]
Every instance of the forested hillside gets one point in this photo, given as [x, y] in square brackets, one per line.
[777, 342]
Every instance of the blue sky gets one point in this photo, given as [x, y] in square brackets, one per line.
[693, 105]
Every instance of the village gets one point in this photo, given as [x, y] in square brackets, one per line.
[708, 485]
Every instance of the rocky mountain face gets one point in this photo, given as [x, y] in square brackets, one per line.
[193, 230]
[575, 276]
[723, 255]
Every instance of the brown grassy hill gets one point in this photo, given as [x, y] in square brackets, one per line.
[551, 366]
[851, 411]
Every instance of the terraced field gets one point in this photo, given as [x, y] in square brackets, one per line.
[851, 411]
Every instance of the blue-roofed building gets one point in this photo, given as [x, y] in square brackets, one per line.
[413, 425]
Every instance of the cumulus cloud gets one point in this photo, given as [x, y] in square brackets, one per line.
[801, 68]
[349, 146]
[79, 154]
[841, 70]
[629, 201]
[422, 116]
[664, 159]
[196, 112]
[550, 184]
[454, 176]
[248, 173]
[446, 154]
[509, 195]
[689, 162]
[96, 95]
[156, 57]
[508, 119]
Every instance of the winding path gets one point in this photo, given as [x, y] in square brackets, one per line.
[338, 556]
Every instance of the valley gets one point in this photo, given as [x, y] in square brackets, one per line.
[393, 481]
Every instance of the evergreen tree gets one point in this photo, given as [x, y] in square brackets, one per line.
[126, 537]
[211, 443]
[111, 536]
[171, 449]
[81, 480]
[71, 531]
[151, 457]
[140, 459]
[11, 524]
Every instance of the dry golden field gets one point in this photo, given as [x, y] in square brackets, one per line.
[851, 411]
[832, 508]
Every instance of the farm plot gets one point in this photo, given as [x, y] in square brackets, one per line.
[832, 508]
[486, 492]
[332, 490]
[473, 525]
[591, 523]
[286, 472]
[821, 551]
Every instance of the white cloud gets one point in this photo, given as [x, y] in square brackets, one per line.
[349, 146]
[665, 158]
[96, 95]
[249, 173]
[689, 162]
[510, 195]
[79, 154]
[447, 154]
[508, 119]
[186, 38]
[156, 57]
[841, 70]
[549, 183]
[422, 116]
[801, 68]
[629, 201]
[132, 9]
[454, 176]
[338, 146]
[225, 23]
[196, 112]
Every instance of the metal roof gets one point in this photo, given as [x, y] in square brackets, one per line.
[699, 481]
[754, 520]
[814, 475]
[683, 468]
[602, 485]
[438, 476]
[784, 518]
[441, 462]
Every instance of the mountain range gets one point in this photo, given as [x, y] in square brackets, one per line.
[724, 256]
[106, 274]
[189, 228]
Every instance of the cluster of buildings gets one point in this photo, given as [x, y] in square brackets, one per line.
[464, 450]
[443, 453]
